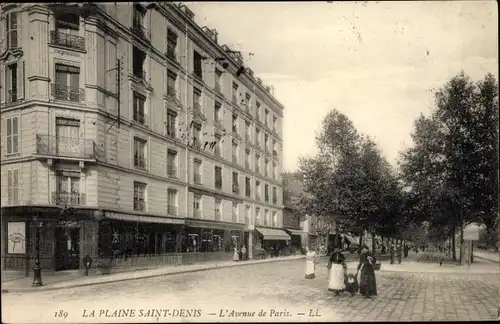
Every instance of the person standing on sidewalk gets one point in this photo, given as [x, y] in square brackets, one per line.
[337, 267]
[367, 282]
[243, 253]
[310, 264]
[399, 254]
[236, 254]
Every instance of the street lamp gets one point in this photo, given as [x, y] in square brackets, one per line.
[37, 270]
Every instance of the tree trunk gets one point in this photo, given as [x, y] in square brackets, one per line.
[373, 244]
[462, 259]
[361, 240]
[453, 245]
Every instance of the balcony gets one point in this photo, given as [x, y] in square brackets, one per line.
[139, 31]
[172, 210]
[197, 179]
[12, 96]
[171, 53]
[68, 198]
[197, 214]
[139, 204]
[65, 147]
[140, 162]
[140, 118]
[172, 171]
[236, 189]
[63, 39]
[218, 184]
[64, 92]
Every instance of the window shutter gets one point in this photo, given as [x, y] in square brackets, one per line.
[20, 80]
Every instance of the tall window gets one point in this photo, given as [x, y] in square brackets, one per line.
[172, 201]
[248, 215]
[247, 131]
[257, 190]
[13, 187]
[67, 188]
[197, 171]
[197, 65]
[139, 153]
[266, 168]
[196, 134]
[12, 137]
[172, 84]
[171, 120]
[197, 206]
[172, 45]
[274, 172]
[234, 94]
[236, 184]
[138, 60]
[266, 217]
[217, 111]
[275, 122]
[275, 196]
[11, 28]
[275, 219]
[218, 177]
[275, 151]
[139, 196]
[235, 123]
[218, 80]
[248, 103]
[218, 145]
[235, 153]
[138, 15]
[197, 99]
[12, 82]
[266, 117]
[247, 159]
[248, 188]
[257, 137]
[172, 163]
[139, 108]
[67, 29]
[266, 193]
[266, 142]
[257, 111]
[68, 137]
[218, 209]
[67, 85]
[235, 212]
[257, 163]
[257, 216]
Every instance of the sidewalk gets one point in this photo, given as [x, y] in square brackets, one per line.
[71, 279]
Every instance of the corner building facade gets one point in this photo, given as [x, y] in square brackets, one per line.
[177, 162]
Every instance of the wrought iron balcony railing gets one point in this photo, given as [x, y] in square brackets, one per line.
[140, 31]
[172, 210]
[197, 179]
[65, 147]
[139, 204]
[236, 189]
[60, 38]
[172, 171]
[12, 96]
[64, 92]
[68, 198]
[140, 162]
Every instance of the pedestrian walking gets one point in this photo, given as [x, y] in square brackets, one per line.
[399, 253]
[236, 254]
[337, 268]
[310, 263]
[407, 248]
[244, 253]
[367, 282]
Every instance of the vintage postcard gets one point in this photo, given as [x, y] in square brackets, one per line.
[329, 161]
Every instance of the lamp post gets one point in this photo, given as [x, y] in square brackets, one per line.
[37, 270]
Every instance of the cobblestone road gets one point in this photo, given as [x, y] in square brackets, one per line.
[279, 286]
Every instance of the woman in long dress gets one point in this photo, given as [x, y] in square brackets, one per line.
[337, 267]
[236, 254]
[310, 264]
[367, 282]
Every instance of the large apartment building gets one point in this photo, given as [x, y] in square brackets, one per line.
[129, 132]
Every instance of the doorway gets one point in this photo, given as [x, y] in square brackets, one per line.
[67, 249]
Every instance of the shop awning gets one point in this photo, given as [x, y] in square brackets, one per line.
[215, 225]
[273, 234]
[293, 231]
[144, 218]
[352, 239]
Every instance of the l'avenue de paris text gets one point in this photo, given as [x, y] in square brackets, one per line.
[141, 312]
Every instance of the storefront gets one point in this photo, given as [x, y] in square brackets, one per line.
[295, 239]
[270, 241]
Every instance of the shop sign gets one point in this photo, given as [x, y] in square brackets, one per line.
[67, 223]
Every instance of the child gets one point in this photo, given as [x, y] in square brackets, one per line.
[351, 283]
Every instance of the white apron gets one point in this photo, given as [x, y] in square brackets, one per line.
[336, 282]
[310, 266]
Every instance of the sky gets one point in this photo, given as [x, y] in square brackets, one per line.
[379, 63]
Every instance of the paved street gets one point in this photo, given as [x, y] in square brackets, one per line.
[403, 296]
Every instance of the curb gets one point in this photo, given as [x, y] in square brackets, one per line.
[236, 264]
